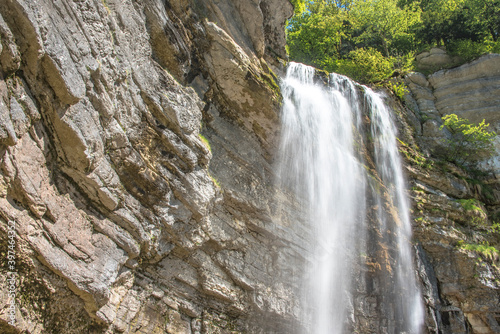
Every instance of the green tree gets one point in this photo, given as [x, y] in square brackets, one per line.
[484, 16]
[299, 6]
[383, 22]
[314, 37]
[338, 35]
[344, 5]
[444, 21]
[468, 141]
[364, 65]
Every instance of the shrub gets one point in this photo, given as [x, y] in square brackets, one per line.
[365, 65]
[205, 141]
[469, 50]
[477, 216]
[468, 141]
[404, 63]
[484, 249]
[471, 205]
[399, 89]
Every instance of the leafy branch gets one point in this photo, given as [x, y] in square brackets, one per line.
[468, 141]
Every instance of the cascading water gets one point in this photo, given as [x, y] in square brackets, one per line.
[407, 296]
[322, 162]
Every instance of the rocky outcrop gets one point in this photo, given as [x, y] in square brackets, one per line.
[457, 252]
[471, 91]
[122, 226]
[454, 210]
[435, 59]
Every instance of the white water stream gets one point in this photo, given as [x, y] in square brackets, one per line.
[322, 163]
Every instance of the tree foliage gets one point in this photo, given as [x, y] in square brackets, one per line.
[364, 65]
[315, 35]
[447, 20]
[385, 23]
[299, 6]
[468, 141]
[336, 34]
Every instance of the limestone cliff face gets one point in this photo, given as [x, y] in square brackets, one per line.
[471, 91]
[454, 210]
[122, 225]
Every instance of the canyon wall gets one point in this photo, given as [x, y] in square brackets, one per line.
[136, 159]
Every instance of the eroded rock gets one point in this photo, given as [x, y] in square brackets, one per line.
[104, 170]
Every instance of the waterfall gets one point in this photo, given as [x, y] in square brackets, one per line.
[322, 160]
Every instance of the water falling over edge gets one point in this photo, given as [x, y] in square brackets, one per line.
[355, 203]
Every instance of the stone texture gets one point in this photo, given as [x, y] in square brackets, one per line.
[435, 59]
[460, 283]
[462, 290]
[425, 110]
[471, 91]
[107, 177]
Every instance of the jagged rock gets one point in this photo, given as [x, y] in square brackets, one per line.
[128, 221]
[461, 297]
[104, 171]
[470, 91]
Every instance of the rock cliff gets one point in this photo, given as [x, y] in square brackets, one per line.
[455, 210]
[471, 91]
[136, 153]
[127, 218]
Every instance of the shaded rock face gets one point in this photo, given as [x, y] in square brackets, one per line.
[122, 225]
[464, 295]
[460, 284]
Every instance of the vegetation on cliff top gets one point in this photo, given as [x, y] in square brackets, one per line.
[370, 40]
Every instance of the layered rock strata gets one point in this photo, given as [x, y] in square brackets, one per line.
[455, 210]
[121, 224]
[471, 91]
